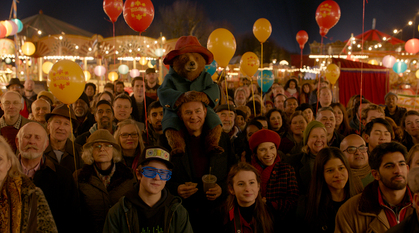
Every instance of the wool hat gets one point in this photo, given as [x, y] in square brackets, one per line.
[389, 94]
[264, 135]
[14, 81]
[241, 113]
[303, 107]
[150, 70]
[101, 135]
[223, 107]
[62, 110]
[188, 44]
[84, 98]
[413, 179]
[311, 126]
[47, 94]
[156, 153]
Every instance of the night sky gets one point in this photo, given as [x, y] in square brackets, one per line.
[286, 16]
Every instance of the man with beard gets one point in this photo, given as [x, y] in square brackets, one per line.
[355, 150]
[376, 132]
[290, 104]
[55, 181]
[384, 202]
[392, 110]
[60, 149]
[279, 101]
[40, 107]
[11, 121]
[326, 116]
[104, 120]
[85, 119]
[151, 84]
[155, 128]
[240, 97]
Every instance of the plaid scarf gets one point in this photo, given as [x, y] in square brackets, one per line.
[11, 205]
[106, 179]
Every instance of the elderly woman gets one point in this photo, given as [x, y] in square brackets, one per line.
[23, 207]
[278, 182]
[102, 180]
[128, 137]
[314, 139]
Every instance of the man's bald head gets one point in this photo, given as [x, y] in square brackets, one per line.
[359, 158]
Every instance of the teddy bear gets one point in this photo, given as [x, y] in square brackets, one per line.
[186, 82]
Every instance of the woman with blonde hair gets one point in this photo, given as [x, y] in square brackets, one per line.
[23, 206]
[128, 137]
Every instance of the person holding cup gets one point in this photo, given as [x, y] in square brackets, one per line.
[278, 182]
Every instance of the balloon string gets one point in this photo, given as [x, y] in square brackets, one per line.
[253, 97]
[321, 46]
[318, 92]
[362, 70]
[114, 44]
[72, 143]
[225, 83]
[261, 83]
[301, 59]
[145, 108]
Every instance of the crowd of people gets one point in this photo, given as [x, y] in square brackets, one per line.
[287, 160]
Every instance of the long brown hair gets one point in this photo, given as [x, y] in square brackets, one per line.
[261, 218]
[319, 196]
[344, 128]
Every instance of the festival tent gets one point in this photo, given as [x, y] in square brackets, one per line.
[49, 26]
[375, 80]
[375, 35]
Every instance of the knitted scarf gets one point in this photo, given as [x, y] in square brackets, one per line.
[358, 175]
[11, 205]
[265, 172]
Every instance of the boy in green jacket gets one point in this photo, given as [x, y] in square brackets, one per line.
[149, 207]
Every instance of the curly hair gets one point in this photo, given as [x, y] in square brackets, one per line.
[88, 159]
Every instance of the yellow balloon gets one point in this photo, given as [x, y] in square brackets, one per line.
[150, 65]
[113, 76]
[66, 81]
[28, 48]
[143, 61]
[417, 74]
[8, 27]
[87, 75]
[46, 67]
[332, 73]
[249, 63]
[373, 62]
[222, 44]
[262, 29]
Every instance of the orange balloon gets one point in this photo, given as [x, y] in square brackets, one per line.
[113, 76]
[249, 63]
[143, 61]
[222, 45]
[332, 73]
[262, 29]
[8, 27]
[66, 81]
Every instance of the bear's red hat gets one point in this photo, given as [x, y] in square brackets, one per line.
[188, 44]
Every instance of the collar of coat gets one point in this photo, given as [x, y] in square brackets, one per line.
[122, 173]
[369, 201]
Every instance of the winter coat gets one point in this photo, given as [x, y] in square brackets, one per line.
[36, 214]
[135, 114]
[59, 188]
[175, 85]
[408, 225]
[363, 213]
[96, 199]
[88, 122]
[124, 215]
[67, 159]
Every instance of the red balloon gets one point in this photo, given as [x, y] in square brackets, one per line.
[412, 46]
[3, 30]
[327, 15]
[113, 8]
[302, 38]
[323, 31]
[138, 14]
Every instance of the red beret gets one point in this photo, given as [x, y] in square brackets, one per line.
[264, 135]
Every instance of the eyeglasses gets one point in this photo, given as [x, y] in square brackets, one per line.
[126, 135]
[352, 149]
[100, 146]
[151, 172]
